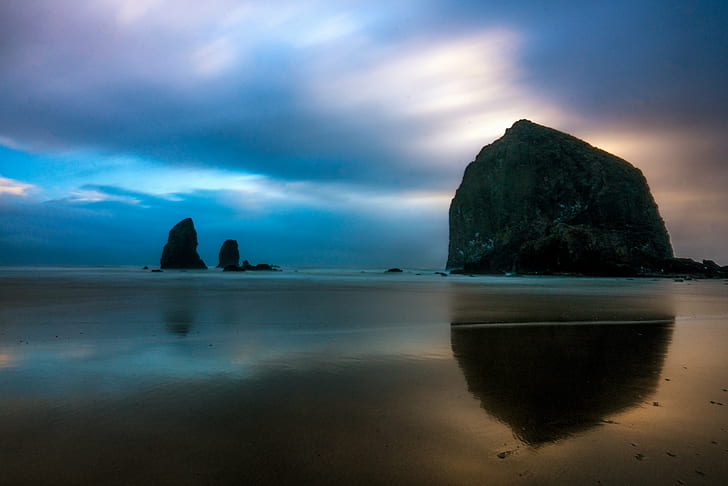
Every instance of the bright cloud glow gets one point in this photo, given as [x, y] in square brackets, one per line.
[129, 11]
[15, 188]
[430, 77]
[162, 181]
[467, 90]
[96, 195]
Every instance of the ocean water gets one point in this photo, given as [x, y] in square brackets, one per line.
[113, 375]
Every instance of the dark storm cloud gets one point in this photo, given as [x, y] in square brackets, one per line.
[653, 65]
[652, 61]
[78, 80]
[77, 77]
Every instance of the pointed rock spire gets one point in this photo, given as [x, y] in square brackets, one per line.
[181, 248]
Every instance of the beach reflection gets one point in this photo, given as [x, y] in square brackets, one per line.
[562, 300]
[549, 382]
[180, 312]
[291, 378]
[548, 378]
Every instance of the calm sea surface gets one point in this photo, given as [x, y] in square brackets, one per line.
[123, 376]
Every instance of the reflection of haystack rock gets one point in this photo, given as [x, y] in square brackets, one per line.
[547, 382]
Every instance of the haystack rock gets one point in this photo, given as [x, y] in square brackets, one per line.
[541, 201]
[181, 248]
[229, 254]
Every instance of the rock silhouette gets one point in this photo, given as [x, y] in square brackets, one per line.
[541, 201]
[551, 382]
[247, 266]
[229, 254]
[554, 362]
[181, 248]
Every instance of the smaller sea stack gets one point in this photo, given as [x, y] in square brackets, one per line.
[229, 254]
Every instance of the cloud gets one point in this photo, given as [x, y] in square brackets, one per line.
[448, 95]
[15, 188]
[289, 91]
[97, 194]
[304, 223]
[330, 116]
[339, 91]
[686, 170]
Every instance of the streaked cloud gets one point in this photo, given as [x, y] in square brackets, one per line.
[15, 188]
[88, 194]
[457, 91]
[320, 118]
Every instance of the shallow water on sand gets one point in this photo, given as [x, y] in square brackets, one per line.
[121, 376]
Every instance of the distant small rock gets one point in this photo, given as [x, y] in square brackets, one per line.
[233, 268]
[689, 269]
[394, 270]
[260, 267]
[264, 267]
[156, 270]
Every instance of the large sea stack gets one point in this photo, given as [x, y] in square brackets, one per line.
[229, 254]
[181, 248]
[541, 201]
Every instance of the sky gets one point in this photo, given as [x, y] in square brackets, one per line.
[334, 133]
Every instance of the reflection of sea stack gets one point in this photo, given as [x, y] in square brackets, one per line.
[179, 321]
[181, 248]
[539, 200]
[229, 254]
[550, 381]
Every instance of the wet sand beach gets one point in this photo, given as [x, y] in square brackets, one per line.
[120, 376]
